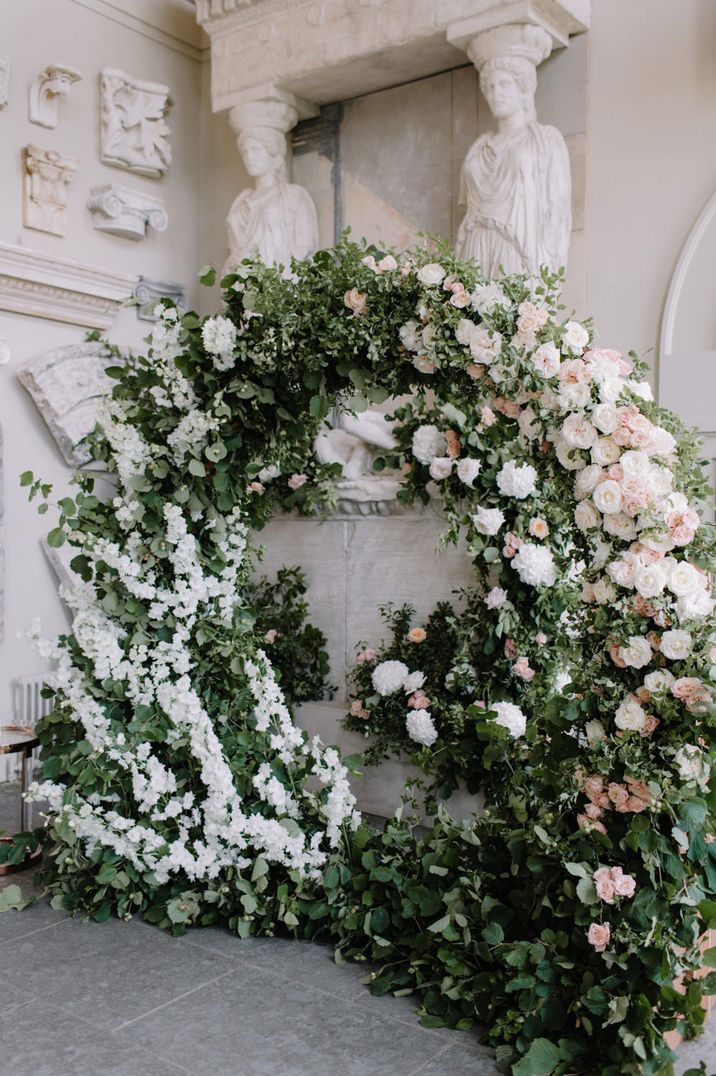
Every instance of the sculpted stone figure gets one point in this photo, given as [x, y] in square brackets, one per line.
[274, 218]
[516, 180]
[355, 442]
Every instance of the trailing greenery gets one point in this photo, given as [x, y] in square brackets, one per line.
[559, 919]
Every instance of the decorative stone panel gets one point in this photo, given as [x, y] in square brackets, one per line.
[121, 211]
[134, 131]
[147, 294]
[54, 82]
[46, 175]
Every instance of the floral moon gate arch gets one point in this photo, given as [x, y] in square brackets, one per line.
[179, 784]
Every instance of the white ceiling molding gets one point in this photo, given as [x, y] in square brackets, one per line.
[170, 22]
[43, 286]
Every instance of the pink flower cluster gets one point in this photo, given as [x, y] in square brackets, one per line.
[611, 882]
[631, 797]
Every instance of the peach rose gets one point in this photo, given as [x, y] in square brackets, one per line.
[255, 487]
[418, 701]
[599, 935]
[618, 795]
[356, 301]
[417, 635]
[270, 636]
[538, 527]
[453, 444]
[650, 725]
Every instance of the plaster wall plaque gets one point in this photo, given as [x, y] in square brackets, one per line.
[4, 79]
[121, 211]
[134, 132]
[46, 175]
[147, 294]
[67, 385]
[54, 82]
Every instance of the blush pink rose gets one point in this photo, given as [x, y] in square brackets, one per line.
[522, 669]
[599, 936]
[297, 480]
[618, 795]
[358, 710]
[624, 884]
[418, 701]
[270, 636]
[366, 655]
[604, 885]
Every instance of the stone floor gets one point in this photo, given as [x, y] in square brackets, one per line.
[88, 999]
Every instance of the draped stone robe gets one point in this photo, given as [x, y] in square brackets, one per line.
[278, 223]
[517, 187]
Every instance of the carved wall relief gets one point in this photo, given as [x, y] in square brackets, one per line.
[121, 211]
[46, 175]
[54, 82]
[67, 385]
[134, 131]
[147, 294]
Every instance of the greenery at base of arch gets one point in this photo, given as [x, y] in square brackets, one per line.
[178, 786]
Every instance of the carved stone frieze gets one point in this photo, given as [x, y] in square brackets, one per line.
[54, 82]
[147, 294]
[67, 385]
[44, 286]
[46, 175]
[121, 211]
[134, 131]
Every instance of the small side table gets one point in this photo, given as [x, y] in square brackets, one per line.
[19, 740]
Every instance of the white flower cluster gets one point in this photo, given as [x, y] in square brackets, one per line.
[219, 336]
[191, 432]
[392, 676]
[535, 565]
[510, 717]
[517, 480]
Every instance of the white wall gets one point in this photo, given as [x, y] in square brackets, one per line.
[651, 160]
[162, 44]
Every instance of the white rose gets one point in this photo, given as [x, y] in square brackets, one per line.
[660, 479]
[603, 592]
[642, 389]
[574, 396]
[510, 717]
[587, 480]
[659, 681]
[630, 716]
[441, 467]
[467, 470]
[546, 359]
[485, 347]
[428, 442]
[677, 502]
[388, 677]
[676, 644]
[517, 480]
[692, 765]
[661, 442]
[683, 577]
[535, 565]
[621, 526]
[578, 432]
[595, 732]
[605, 451]
[636, 464]
[464, 331]
[695, 605]
[496, 598]
[623, 571]
[488, 520]
[431, 274]
[660, 543]
[610, 389]
[486, 297]
[575, 337]
[650, 579]
[412, 682]
[567, 456]
[607, 497]
[420, 727]
[604, 417]
[410, 335]
[586, 517]
[637, 653]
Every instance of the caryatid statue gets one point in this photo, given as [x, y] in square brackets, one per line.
[274, 218]
[516, 180]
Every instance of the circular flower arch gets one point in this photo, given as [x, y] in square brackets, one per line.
[179, 784]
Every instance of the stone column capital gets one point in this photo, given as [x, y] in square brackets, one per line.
[499, 25]
[269, 105]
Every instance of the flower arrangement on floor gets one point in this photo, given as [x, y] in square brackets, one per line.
[177, 781]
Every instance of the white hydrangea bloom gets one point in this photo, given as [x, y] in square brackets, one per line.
[488, 520]
[468, 469]
[535, 565]
[389, 677]
[420, 727]
[428, 444]
[510, 717]
[219, 336]
[517, 480]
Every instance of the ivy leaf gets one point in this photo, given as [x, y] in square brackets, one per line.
[207, 276]
[493, 934]
[541, 1059]
[56, 538]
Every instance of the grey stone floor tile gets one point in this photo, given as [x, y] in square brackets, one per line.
[252, 1023]
[460, 1061]
[108, 973]
[301, 961]
[18, 924]
[11, 997]
[45, 1041]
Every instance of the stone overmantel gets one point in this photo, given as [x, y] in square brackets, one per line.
[324, 51]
